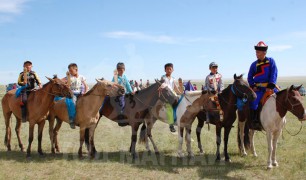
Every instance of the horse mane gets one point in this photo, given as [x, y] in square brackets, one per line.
[91, 90]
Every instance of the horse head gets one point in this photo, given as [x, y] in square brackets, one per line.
[241, 89]
[166, 94]
[59, 88]
[112, 89]
[294, 102]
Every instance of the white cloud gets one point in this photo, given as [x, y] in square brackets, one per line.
[279, 48]
[141, 36]
[12, 6]
[164, 39]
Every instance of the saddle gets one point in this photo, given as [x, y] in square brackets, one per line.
[265, 97]
[216, 100]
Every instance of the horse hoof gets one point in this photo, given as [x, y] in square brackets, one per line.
[275, 164]
[28, 156]
[180, 155]
[218, 159]
[157, 153]
[228, 160]
[191, 155]
[270, 166]
[22, 150]
[255, 155]
[134, 156]
[244, 154]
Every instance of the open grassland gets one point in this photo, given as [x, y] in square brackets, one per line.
[113, 160]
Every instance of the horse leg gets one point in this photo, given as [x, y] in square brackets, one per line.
[180, 138]
[218, 141]
[270, 149]
[135, 127]
[198, 132]
[51, 135]
[94, 151]
[55, 135]
[149, 134]
[82, 133]
[251, 136]
[275, 138]
[91, 152]
[188, 141]
[8, 133]
[40, 134]
[30, 140]
[17, 130]
[241, 133]
[227, 130]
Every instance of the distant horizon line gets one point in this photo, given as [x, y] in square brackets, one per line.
[281, 78]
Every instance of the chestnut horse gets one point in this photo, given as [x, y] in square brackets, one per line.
[39, 102]
[272, 118]
[87, 112]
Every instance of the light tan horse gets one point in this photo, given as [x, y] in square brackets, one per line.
[87, 112]
[38, 104]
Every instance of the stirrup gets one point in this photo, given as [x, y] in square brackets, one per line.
[72, 125]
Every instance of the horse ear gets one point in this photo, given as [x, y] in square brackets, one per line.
[204, 91]
[235, 76]
[52, 80]
[98, 80]
[291, 88]
[157, 81]
[299, 87]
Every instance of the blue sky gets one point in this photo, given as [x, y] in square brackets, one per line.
[146, 34]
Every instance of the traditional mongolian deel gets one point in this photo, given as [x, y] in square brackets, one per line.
[262, 74]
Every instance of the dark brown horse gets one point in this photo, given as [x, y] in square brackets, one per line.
[39, 102]
[230, 96]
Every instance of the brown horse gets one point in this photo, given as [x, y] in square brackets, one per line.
[272, 118]
[87, 112]
[228, 101]
[39, 102]
[136, 108]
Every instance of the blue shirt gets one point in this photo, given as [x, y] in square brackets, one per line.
[123, 81]
[263, 72]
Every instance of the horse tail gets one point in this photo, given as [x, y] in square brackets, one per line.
[7, 115]
[143, 134]
[86, 137]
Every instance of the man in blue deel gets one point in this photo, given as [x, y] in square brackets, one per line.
[262, 78]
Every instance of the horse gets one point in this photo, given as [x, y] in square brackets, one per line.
[188, 107]
[87, 112]
[232, 97]
[136, 107]
[272, 118]
[38, 104]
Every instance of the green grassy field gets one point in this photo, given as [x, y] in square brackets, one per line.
[114, 161]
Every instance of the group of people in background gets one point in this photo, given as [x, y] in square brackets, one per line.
[262, 78]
